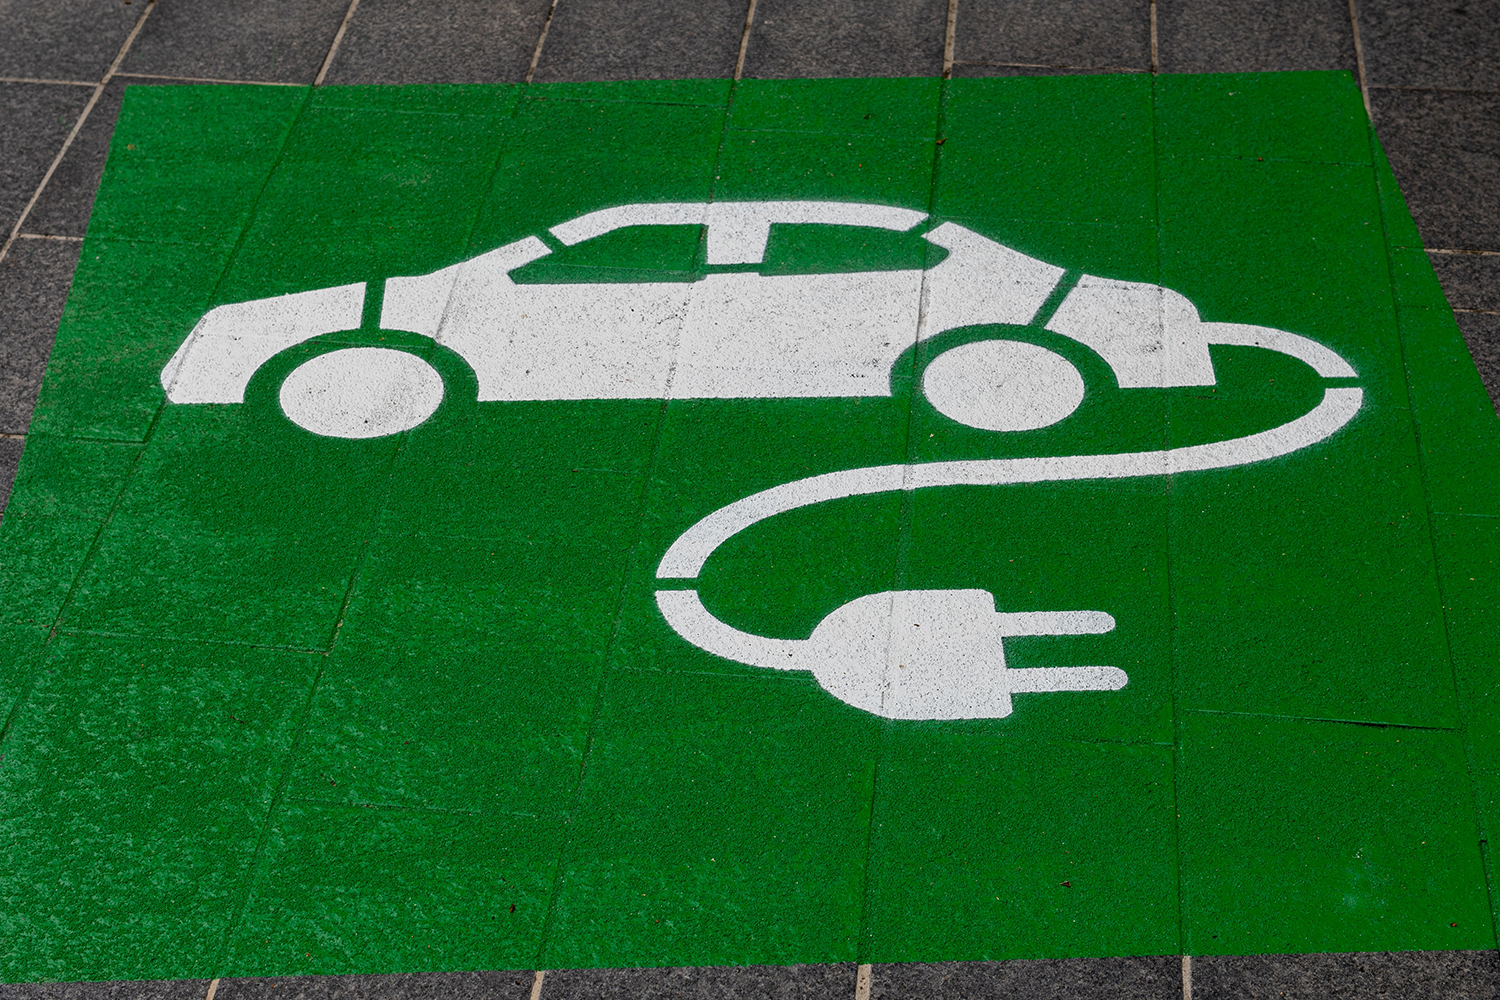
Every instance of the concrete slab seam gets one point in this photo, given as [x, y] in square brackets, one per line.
[60, 83]
[77, 126]
[206, 79]
[338, 38]
[1359, 56]
[541, 39]
[739, 61]
[950, 34]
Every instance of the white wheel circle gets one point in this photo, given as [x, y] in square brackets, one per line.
[361, 392]
[1003, 385]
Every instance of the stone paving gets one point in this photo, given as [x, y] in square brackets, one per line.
[1430, 76]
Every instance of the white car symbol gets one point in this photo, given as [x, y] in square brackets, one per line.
[742, 334]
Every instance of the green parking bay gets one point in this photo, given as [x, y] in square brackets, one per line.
[494, 528]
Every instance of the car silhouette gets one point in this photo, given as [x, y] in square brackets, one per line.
[726, 335]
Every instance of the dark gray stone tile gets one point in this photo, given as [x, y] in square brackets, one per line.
[1470, 281]
[642, 40]
[745, 982]
[1406, 975]
[407, 986]
[458, 41]
[64, 39]
[1413, 43]
[163, 989]
[65, 204]
[792, 38]
[1246, 36]
[35, 119]
[10, 458]
[284, 41]
[1058, 35]
[1445, 150]
[1155, 978]
[1482, 333]
[34, 281]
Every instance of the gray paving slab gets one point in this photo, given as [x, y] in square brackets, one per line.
[148, 989]
[35, 119]
[1154, 978]
[65, 204]
[1470, 281]
[791, 38]
[34, 281]
[743, 982]
[284, 41]
[64, 39]
[1482, 333]
[1056, 35]
[411, 986]
[1412, 43]
[641, 40]
[1445, 150]
[1408, 975]
[458, 41]
[1249, 36]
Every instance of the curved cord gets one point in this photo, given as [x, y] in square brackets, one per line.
[685, 558]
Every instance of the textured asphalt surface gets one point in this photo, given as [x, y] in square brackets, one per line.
[1429, 69]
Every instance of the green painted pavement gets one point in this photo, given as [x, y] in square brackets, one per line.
[287, 703]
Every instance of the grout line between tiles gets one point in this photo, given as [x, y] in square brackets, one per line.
[1067, 66]
[1359, 57]
[60, 83]
[862, 983]
[950, 34]
[338, 39]
[536, 53]
[739, 62]
[536, 984]
[208, 79]
[77, 127]
[1155, 58]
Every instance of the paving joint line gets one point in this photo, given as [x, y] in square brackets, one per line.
[60, 83]
[1155, 55]
[208, 79]
[338, 38]
[950, 33]
[541, 39]
[1359, 58]
[1068, 66]
[739, 62]
[83, 116]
